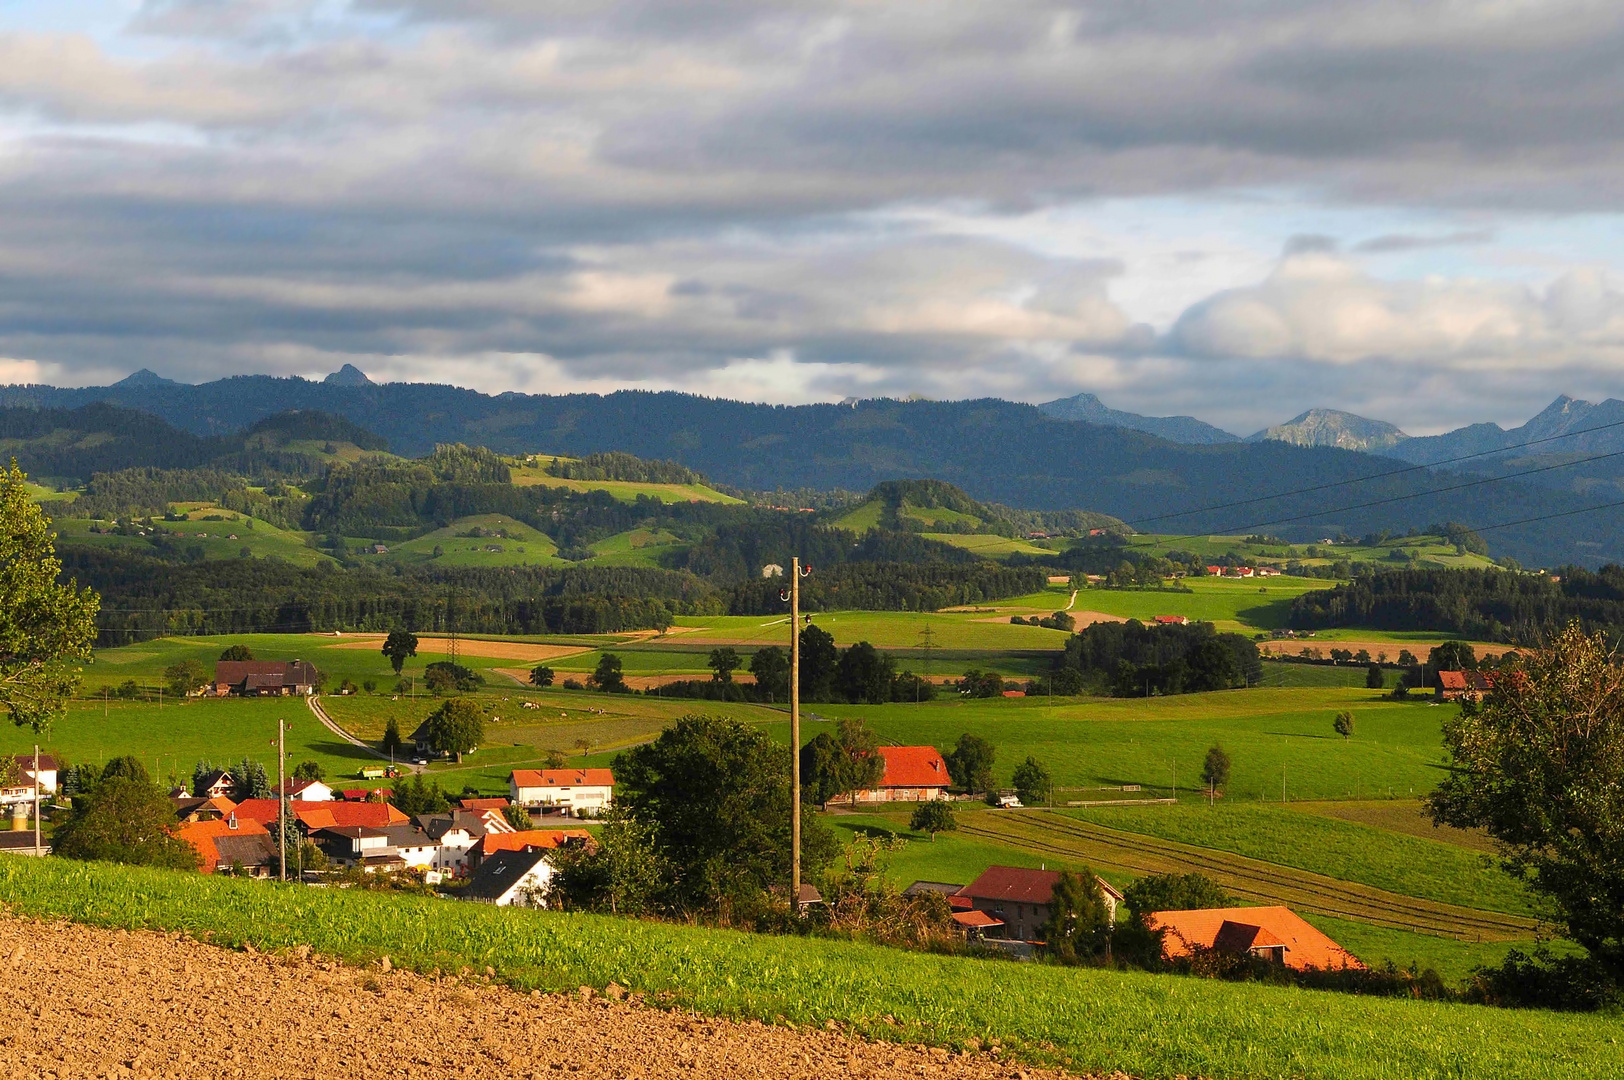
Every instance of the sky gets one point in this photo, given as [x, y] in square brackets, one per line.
[1408, 210]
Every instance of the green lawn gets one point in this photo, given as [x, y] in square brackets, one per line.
[1246, 606]
[1086, 1020]
[522, 546]
[896, 630]
[625, 491]
[989, 545]
[1095, 743]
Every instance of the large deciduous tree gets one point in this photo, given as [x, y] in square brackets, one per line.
[1079, 923]
[770, 666]
[970, 763]
[399, 645]
[124, 820]
[863, 675]
[1539, 763]
[846, 761]
[1215, 769]
[456, 727]
[1032, 781]
[723, 663]
[715, 796]
[46, 626]
[818, 660]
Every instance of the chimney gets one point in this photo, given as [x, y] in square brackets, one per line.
[231, 822]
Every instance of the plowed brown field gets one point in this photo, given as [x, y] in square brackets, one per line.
[109, 1003]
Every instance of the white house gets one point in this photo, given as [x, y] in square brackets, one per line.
[511, 878]
[582, 792]
[455, 833]
[305, 791]
[17, 778]
[415, 847]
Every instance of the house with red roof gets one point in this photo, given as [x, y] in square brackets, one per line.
[225, 842]
[1172, 620]
[17, 777]
[912, 774]
[1272, 933]
[1011, 903]
[1456, 684]
[325, 815]
[260, 678]
[304, 790]
[581, 792]
[528, 840]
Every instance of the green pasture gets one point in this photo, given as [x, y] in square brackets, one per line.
[1431, 551]
[1087, 1020]
[635, 547]
[989, 545]
[523, 545]
[891, 630]
[527, 475]
[171, 738]
[1339, 675]
[213, 538]
[1093, 744]
[1229, 604]
[1429, 869]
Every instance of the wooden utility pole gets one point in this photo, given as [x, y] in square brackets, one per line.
[281, 797]
[37, 849]
[795, 734]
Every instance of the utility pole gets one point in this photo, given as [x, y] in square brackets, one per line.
[795, 734]
[37, 849]
[282, 797]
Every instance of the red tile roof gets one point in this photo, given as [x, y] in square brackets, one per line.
[482, 804]
[562, 778]
[325, 814]
[1452, 680]
[976, 919]
[202, 834]
[528, 840]
[1014, 884]
[914, 766]
[1305, 946]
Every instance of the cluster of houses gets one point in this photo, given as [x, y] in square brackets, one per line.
[1008, 907]
[262, 678]
[473, 840]
[1244, 571]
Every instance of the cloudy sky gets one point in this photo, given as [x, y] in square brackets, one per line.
[1406, 209]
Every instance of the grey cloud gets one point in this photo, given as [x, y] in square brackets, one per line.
[1397, 242]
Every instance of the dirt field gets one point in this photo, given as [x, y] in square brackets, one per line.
[145, 1005]
[497, 650]
[1295, 646]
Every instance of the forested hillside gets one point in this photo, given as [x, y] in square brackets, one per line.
[995, 451]
[1489, 605]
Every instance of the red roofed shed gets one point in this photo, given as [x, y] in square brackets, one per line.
[912, 774]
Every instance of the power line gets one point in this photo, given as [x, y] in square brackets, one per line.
[1382, 475]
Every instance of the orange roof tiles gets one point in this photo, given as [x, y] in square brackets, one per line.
[529, 839]
[976, 919]
[1452, 680]
[562, 778]
[323, 815]
[1274, 926]
[914, 766]
[482, 804]
[202, 834]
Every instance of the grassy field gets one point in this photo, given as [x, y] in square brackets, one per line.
[894, 630]
[1093, 743]
[988, 545]
[1245, 606]
[522, 546]
[533, 474]
[223, 539]
[1086, 1020]
[1430, 551]
[1429, 869]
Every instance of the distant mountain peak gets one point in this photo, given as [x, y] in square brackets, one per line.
[348, 375]
[145, 377]
[1331, 427]
[1180, 429]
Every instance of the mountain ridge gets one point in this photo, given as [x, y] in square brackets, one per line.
[1179, 429]
[1333, 427]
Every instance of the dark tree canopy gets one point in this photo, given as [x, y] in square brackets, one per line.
[818, 660]
[124, 820]
[716, 796]
[863, 675]
[237, 652]
[398, 646]
[456, 727]
[723, 663]
[1174, 892]
[1215, 769]
[970, 763]
[770, 666]
[607, 675]
[1079, 923]
[933, 817]
[1032, 782]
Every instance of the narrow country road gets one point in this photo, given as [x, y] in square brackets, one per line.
[314, 701]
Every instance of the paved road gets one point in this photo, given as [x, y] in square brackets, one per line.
[314, 701]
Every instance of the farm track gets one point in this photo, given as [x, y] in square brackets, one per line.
[1047, 833]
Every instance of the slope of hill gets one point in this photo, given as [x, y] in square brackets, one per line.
[1328, 427]
[1179, 429]
[996, 451]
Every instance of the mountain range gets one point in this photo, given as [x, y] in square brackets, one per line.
[997, 451]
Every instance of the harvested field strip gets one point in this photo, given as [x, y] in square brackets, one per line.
[1251, 880]
[502, 650]
[1149, 1026]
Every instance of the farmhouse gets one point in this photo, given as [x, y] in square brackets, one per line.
[1456, 684]
[218, 784]
[573, 791]
[188, 809]
[17, 777]
[512, 878]
[1172, 620]
[264, 678]
[305, 791]
[1272, 933]
[912, 774]
[1016, 901]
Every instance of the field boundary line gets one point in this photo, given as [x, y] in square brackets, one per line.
[314, 701]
